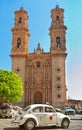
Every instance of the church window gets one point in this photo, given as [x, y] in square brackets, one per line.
[58, 69]
[59, 96]
[17, 69]
[58, 42]
[18, 42]
[57, 19]
[58, 78]
[58, 87]
[20, 20]
[38, 64]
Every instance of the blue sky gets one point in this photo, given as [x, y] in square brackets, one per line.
[39, 23]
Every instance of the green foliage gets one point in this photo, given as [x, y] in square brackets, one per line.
[11, 89]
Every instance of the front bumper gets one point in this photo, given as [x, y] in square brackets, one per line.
[17, 122]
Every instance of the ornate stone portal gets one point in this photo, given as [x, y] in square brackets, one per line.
[43, 73]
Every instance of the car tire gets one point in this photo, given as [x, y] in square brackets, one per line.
[29, 124]
[65, 123]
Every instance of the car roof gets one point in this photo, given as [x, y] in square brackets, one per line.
[39, 105]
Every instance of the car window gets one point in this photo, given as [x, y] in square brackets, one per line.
[49, 109]
[26, 108]
[38, 109]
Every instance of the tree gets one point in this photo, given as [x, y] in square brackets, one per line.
[11, 89]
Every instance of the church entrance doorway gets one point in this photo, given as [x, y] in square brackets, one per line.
[38, 97]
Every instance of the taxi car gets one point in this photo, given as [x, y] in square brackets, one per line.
[40, 115]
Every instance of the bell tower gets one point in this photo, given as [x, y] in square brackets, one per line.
[20, 33]
[58, 56]
[20, 37]
[57, 30]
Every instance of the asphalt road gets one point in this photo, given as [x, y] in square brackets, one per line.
[6, 125]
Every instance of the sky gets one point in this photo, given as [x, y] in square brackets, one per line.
[39, 12]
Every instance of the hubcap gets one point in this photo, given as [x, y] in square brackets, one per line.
[65, 123]
[30, 124]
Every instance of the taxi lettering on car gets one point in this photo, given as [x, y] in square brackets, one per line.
[39, 115]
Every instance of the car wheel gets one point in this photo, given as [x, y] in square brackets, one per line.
[29, 124]
[65, 123]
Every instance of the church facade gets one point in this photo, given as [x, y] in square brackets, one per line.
[43, 73]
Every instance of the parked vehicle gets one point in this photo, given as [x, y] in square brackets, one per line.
[68, 110]
[39, 115]
[7, 111]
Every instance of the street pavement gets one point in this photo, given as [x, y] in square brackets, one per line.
[76, 117]
[76, 124]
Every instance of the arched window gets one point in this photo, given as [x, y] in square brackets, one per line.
[59, 96]
[58, 42]
[57, 19]
[20, 20]
[38, 64]
[58, 87]
[18, 42]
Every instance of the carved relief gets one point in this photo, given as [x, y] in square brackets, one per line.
[38, 77]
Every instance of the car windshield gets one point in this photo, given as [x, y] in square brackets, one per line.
[27, 108]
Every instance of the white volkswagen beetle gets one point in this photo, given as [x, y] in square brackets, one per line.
[39, 115]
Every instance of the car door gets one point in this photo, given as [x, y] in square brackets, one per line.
[39, 114]
[50, 116]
